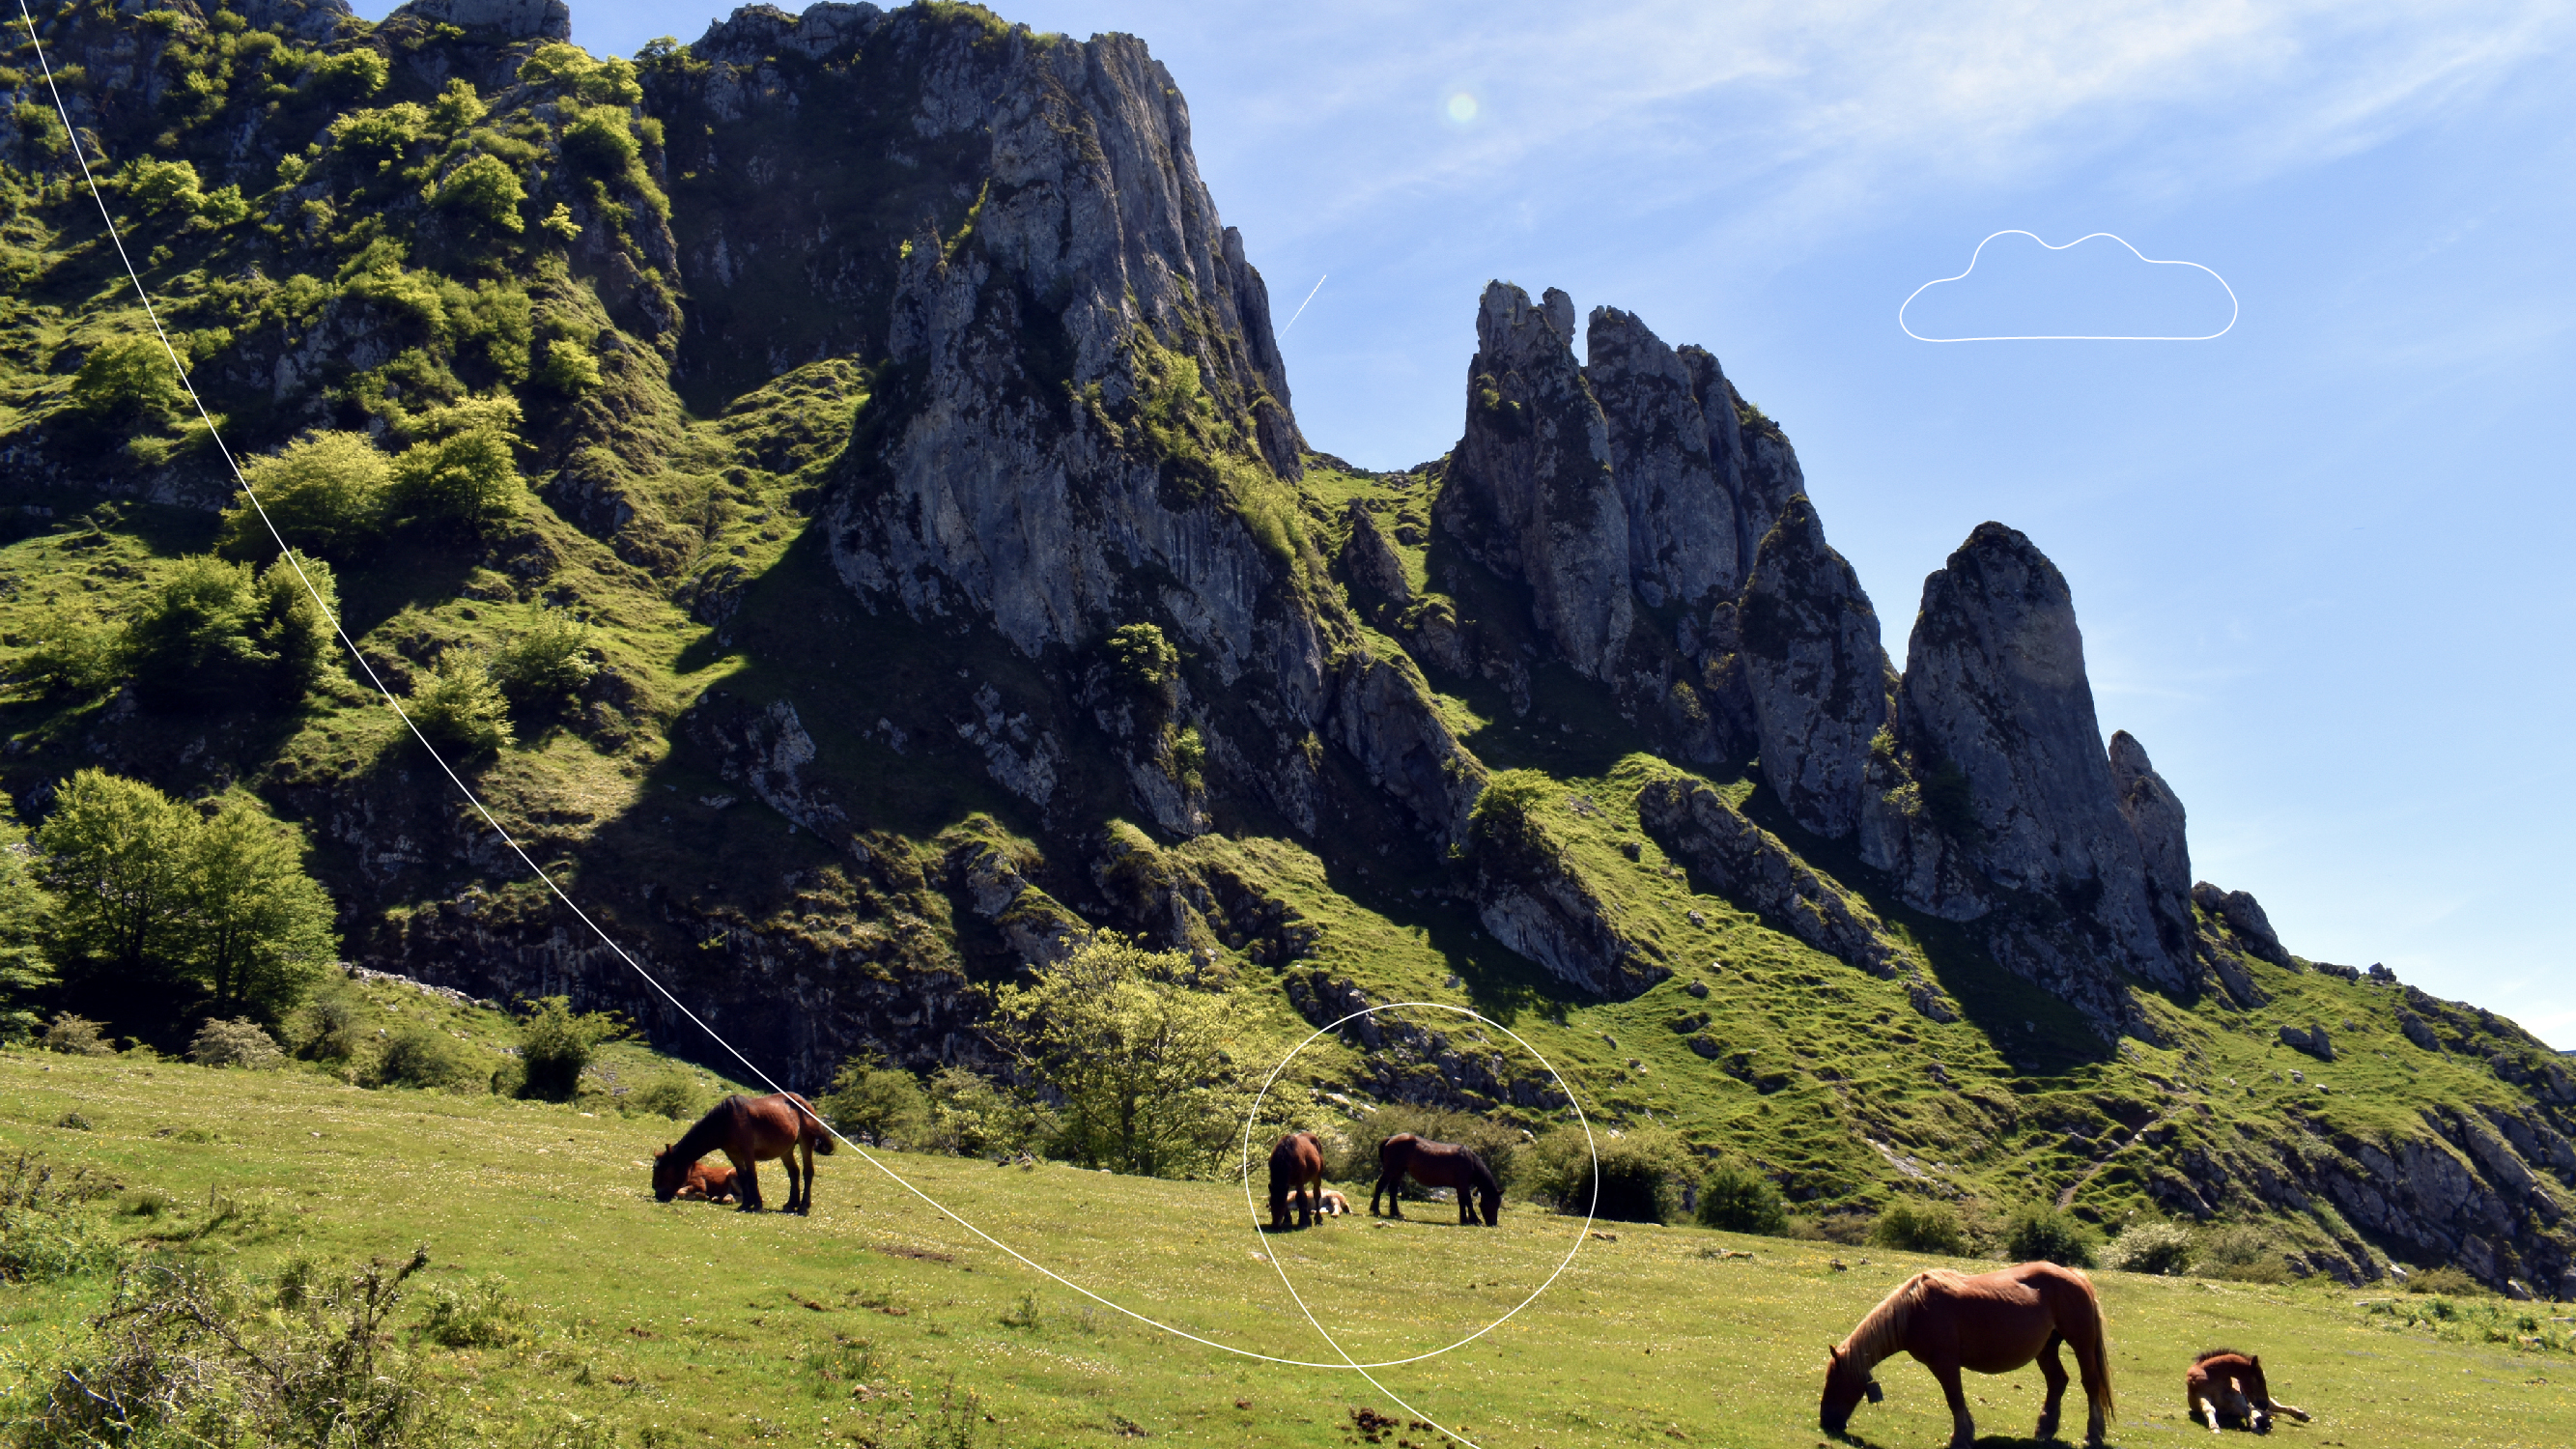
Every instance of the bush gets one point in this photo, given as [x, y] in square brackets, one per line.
[331, 1028]
[127, 378]
[556, 1044]
[2241, 1254]
[1736, 1196]
[487, 190]
[468, 479]
[2049, 1233]
[186, 1355]
[1642, 1174]
[76, 1036]
[351, 75]
[546, 662]
[325, 492]
[415, 1056]
[2445, 1280]
[67, 654]
[1920, 1226]
[876, 1104]
[2159, 1248]
[674, 1096]
[569, 368]
[158, 186]
[236, 1043]
[484, 1315]
[459, 706]
[213, 628]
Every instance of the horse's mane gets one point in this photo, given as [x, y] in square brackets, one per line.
[1879, 1335]
[707, 1133]
[1485, 1179]
[2205, 1355]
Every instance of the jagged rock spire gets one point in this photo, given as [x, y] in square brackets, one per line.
[1817, 673]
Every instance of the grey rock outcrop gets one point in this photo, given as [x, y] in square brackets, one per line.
[2244, 919]
[1682, 545]
[1530, 492]
[1995, 688]
[1371, 562]
[513, 19]
[1817, 674]
[2311, 1039]
[2156, 818]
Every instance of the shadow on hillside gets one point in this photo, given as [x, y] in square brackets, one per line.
[2035, 1031]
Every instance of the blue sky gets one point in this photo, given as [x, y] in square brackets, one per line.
[2320, 562]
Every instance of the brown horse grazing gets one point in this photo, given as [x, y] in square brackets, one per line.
[2223, 1384]
[1296, 1168]
[749, 1131]
[1992, 1323]
[707, 1182]
[1435, 1164]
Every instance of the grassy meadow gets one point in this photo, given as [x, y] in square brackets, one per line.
[881, 1320]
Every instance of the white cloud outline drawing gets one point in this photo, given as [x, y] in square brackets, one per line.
[2235, 308]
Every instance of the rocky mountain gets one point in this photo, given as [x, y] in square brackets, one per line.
[907, 429]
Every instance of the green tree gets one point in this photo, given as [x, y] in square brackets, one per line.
[115, 854]
[255, 929]
[324, 491]
[971, 1115]
[466, 478]
[2039, 1231]
[1139, 1058]
[1920, 1226]
[127, 379]
[26, 912]
[158, 186]
[875, 1103]
[1736, 1197]
[214, 627]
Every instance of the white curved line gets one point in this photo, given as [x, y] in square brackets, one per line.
[1252, 1118]
[539, 872]
[2234, 307]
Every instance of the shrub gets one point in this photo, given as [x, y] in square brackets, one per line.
[674, 1096]
[556, 1044]
[2049, 1233]
[2241, 1254]
[158, 186]
[603, 143]
[459, 705]
[185, 1355]
[127, 377]
[971, 1115]
[569, 368]
[46, 1232]
[76, 1036]
[1736, 1196]
[237, 1043]
[467, 479]
[67, 654]
[1145, 661]
[325, 492]
[2159, 1248]
[415, 1056]
[2444, 1280]
[876, 1104]
[545, 662]
[1642, 1174]
[351, 75]
[1920, 1226]
[213, 629]
[331, 1027]
[487, 190]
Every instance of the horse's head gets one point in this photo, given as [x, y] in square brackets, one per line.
[1489, 1201]
[1846, 1384]
[668, 1173]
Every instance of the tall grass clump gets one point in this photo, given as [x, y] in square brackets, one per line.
[48, 1230]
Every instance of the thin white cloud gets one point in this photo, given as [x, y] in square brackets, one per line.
[2233, 308]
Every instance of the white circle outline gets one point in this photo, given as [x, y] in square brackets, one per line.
[1252, 1119]
[2235, 308]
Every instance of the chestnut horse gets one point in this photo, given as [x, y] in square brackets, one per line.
[707, 1182]
[2225, 1384]
[749, 1131]
[1296, 1166]
[1435, 1164]
[1992, 1323]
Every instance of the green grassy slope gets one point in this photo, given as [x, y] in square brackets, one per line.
[700, 1323]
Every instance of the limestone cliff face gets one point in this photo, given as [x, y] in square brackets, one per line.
[2156, 817]
[1530, 492]
[1818, 678]
[1995, 689]
[1672, 482]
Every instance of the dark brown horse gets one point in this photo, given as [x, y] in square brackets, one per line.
[749, 1131]
[2223, 1384]
[1296, 1169]
[1992, 1323]
[1435, 1164]
[707, 1182]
